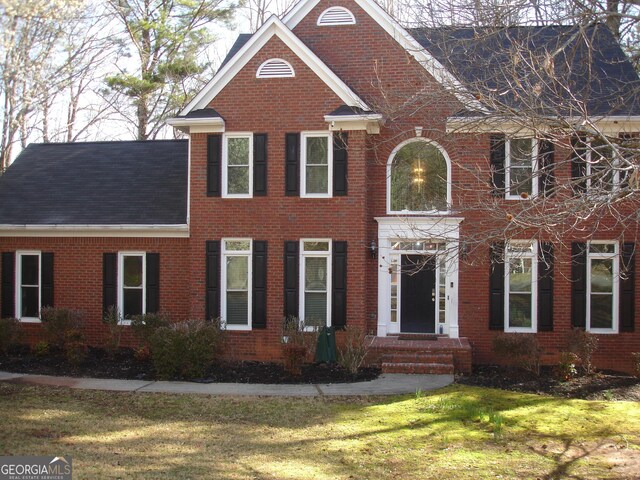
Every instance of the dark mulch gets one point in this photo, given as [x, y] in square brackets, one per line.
[125, 365]
[601, 386]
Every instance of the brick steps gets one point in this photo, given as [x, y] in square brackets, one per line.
[418, 362]
[418, 368]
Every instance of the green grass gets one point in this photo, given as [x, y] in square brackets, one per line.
[455, 433]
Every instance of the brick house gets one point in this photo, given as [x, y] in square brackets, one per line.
[295, 195]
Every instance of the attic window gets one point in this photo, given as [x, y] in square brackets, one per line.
[336, 16]
[275, 68]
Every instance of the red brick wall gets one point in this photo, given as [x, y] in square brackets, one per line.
[78, 276]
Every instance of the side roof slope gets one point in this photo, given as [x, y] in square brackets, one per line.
[97, 183]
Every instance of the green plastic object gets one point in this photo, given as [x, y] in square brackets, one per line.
[326, 348]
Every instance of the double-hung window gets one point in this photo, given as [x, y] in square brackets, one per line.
[520, 287]
[132, 282]
[602, 287]
[236, 281]
[602, 167]
[315, 272]
[28, 280]
[237, 165]
[521, 165]
[317, 164]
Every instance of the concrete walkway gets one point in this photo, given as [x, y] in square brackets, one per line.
[386, 384]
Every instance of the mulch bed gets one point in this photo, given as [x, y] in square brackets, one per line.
[124, 365]
[601, 386]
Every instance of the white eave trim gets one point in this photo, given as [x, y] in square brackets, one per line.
[142, 231]
[197, 125]
[399, 34]
[273, 26]
[369, 122]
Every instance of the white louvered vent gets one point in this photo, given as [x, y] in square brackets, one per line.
[275, 68]
[336, 16]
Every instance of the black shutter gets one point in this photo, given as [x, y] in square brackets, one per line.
[545, 287]
[259, 297]
[8, 284]
[292, 164]
[214, 152]
[496, 286]
[579, 164]
[291, 273]
[339, 285]
[547, 178]
[153, 282]
[628, 288]
[212, 272]
[497, 158]
[340, 157]
[109, 281]
[578, 284]
[46, 292]
[259, 164]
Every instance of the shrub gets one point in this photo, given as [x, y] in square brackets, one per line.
[41, 349]
[566, 369]
[296, 344]
[636, 363]
[584, 345]
[75, 349]
[146, 325]
[115, 327]
[58, 322]
[522, 349]
[354, 350]
[10, 334]
[186, 349]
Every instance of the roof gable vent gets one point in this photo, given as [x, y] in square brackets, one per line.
[275, 68]
[336, 16]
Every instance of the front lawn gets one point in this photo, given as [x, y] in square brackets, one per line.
[458, 432]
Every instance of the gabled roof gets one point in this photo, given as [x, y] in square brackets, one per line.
[554, 69]
[97, 184]
[272, 27]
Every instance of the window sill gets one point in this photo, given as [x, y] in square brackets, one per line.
[29, 320]
[420, 213]
[236, 196]
[316, 195]
[602, 331]
[237, 328]
[520, 330]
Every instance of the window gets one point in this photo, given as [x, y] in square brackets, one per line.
[315, 272]
[317, 164]
[336, 16]
[132, 281]
[521, 166]
[237, 165]
[418, 174]
[275, 68]
[28, 281]
[520, 287]
[602, 167]
[236, 280]
[602, 287]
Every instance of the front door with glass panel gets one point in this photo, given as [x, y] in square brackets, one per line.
[418, 294]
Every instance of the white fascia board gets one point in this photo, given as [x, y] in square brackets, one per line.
[400, 35]
[140, 231]
[369, 123]
[197, 125]
[273, 26]
[353, 118]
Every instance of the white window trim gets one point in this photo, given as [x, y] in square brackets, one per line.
[301, 275]
[223, 282]
[290, 74]
[18, 285]
[225, 164]
[303, 161]
[121, 255]
[616, 285]
[589, 164]
[533, 255]
[390, 165]
[534, 169]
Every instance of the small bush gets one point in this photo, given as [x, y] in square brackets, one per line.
[636, 363]
[41, 349]
[111, 319]
[584, 345]
[355, 349]
[10, 334]
[296, 344]
[186, 349]
[566, 369]
[522, 349]
[58, 322]
[75, 349]
[146, 325]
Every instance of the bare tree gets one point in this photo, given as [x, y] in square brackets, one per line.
[257, 11]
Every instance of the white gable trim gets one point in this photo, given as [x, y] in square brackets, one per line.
[397, 32]
[273, 27]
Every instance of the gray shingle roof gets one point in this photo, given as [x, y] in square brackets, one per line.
[97, 183]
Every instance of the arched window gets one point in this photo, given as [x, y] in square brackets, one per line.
[336, 16]
[275, 68]
[418, 178]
